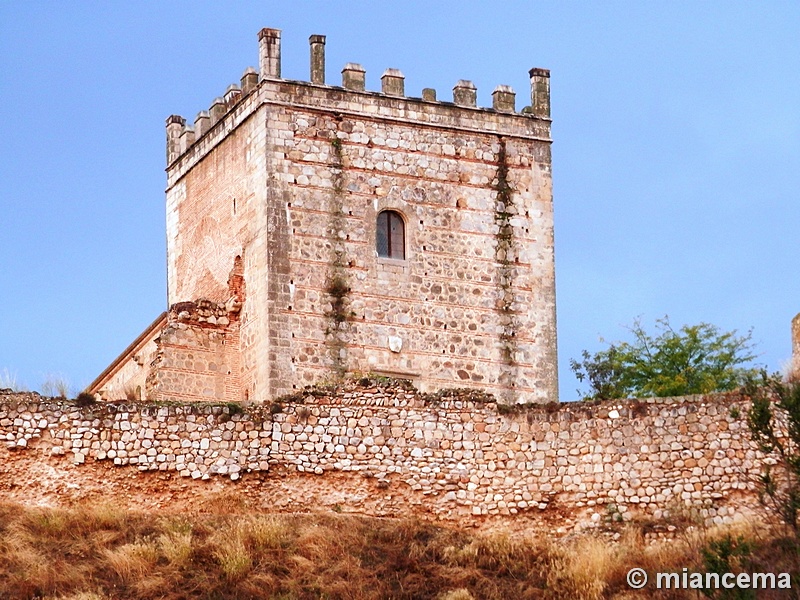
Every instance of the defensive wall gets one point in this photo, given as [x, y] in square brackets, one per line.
[455, 454]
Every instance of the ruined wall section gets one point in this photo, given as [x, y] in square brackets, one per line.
[452, 454]
[126, 377]
[209, 215]
[129, 382]
[197, 354]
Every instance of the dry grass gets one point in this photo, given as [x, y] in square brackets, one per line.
[8, 381]
[132, 393]
[81, 596]
[57, 386]
[232, 551]
[132, 562]
[107, 554]
[579, 570]
[459, 594]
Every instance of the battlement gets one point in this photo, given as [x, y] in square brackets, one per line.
[181, 136]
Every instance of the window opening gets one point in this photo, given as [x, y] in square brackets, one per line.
[390, 239]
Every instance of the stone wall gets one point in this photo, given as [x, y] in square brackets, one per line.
[126, 377]
[197, 356]
[452, 454]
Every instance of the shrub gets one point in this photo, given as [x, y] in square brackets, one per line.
[85, 399]
[696, 359]
[774, 421]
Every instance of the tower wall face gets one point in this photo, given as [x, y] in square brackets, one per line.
[215, 212]
[472, 304]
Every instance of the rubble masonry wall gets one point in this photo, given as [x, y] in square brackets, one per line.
[453, 452]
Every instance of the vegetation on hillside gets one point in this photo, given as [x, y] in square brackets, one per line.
[106, 553]
[774, 421]
[695, 359]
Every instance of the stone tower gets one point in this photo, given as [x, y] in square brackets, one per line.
[318, 229]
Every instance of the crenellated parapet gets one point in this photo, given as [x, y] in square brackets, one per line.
[269, 52]
[175, 126]
[540, 92]
[465, 93]
[317, 43]
[182, 136]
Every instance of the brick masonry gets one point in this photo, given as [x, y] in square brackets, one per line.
[455, 454]
[126, 377]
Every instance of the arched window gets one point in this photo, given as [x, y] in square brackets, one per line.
[391, 235]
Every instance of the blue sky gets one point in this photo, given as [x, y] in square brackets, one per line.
[676, 150]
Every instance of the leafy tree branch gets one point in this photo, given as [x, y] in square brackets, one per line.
[695, 359]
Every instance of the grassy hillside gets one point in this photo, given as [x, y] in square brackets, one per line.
[95, 553]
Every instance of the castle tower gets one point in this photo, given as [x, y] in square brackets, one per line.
[329, 229]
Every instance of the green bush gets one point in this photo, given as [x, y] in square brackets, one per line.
[695, 359]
